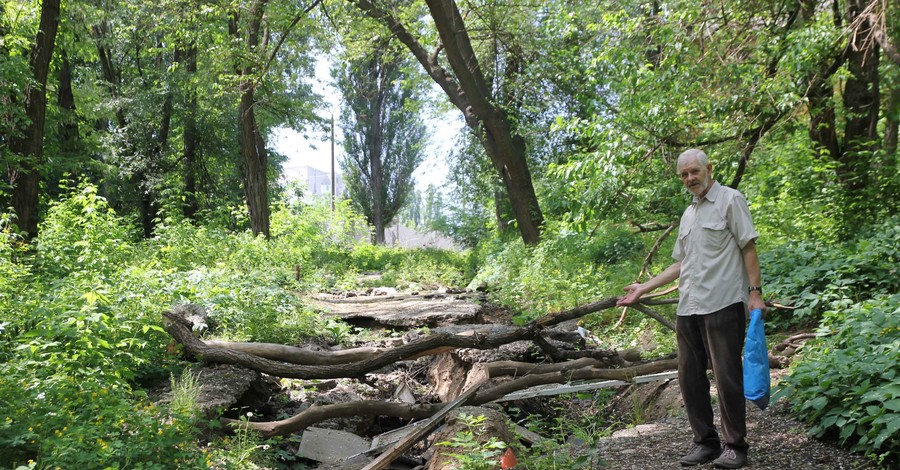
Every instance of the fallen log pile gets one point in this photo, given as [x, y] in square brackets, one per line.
[489, 382]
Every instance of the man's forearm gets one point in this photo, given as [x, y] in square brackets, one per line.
[670, 274]
[751, 263]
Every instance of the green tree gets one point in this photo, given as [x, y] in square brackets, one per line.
[459, 71]
[384, 134]
[738, 79]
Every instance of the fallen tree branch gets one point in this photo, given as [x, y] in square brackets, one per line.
[180, 329]
[559, 373]
[565, 375]
[650, 313]
[293, 355]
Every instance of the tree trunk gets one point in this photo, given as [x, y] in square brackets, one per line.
[376, 149]
[505, 148]
[68, 125]
[861, 102]
[191, 142]
[253, 147]
[253, 153]
[25, 177]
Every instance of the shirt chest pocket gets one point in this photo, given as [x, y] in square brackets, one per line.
[715, 234]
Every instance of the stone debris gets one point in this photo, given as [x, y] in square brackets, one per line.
[399, 310]
[330, 445]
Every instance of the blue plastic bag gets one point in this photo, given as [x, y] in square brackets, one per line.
[756, 362]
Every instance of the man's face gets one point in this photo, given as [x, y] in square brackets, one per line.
[696, 177]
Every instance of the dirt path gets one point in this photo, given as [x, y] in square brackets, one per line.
[777, 441]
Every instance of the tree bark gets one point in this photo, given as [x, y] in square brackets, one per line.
[25, 177]
[292, 355]
[255, 159]
[68, 125]
[253, 148]
[852, 147]
[861, 103]
[376, 149]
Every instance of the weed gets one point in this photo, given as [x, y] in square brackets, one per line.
[469, 452]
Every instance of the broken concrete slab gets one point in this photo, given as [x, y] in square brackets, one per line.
[389, 438]
[221, 386]
[330, 445]
[400, 310]
[559, 389]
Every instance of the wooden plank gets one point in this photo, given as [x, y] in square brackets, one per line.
[554, 389]
[398, 449]
[528, 436]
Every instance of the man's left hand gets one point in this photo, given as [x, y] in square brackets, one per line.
[756, 301]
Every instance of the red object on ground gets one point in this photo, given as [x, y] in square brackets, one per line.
[508, 460]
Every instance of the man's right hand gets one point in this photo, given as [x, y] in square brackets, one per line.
[634, 292]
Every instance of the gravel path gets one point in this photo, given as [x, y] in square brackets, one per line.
[777, 442]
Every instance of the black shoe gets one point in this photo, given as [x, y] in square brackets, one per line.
[731, 458]
[700, 454]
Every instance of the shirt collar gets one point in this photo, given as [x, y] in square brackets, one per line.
[711, 194]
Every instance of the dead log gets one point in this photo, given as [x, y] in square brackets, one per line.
[179, 328]
[560, 373]
[319, 413]
[294, 355]
[566, 375]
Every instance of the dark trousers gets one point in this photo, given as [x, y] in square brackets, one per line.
[717, 339]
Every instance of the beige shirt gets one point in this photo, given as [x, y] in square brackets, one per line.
[713, 231]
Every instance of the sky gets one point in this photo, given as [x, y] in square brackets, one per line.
[315, 151]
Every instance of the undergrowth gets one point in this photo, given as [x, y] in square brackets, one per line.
[81, 333]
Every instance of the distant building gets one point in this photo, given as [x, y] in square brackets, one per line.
[402, 236]
[318, 182]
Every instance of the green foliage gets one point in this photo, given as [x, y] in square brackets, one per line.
[845, 383]
[795, 195]
[470, 450]
[243, 450]
[81, 233]
[413, 269]
[567, 268]
[572, 417]
[816, 277]
[384, 136]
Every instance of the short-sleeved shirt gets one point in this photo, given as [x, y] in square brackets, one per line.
[713, 231]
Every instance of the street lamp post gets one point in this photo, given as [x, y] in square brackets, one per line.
[333, 192]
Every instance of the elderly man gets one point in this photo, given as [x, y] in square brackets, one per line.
[715, 257]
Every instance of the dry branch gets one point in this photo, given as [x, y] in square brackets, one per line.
[558, 373]
[180, 329]
[318, 413]
[293, 355]
[650, 313]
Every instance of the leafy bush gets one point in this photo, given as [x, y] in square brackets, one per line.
[561, 272]
[846, 382]
[815, 277]
[82, 233]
